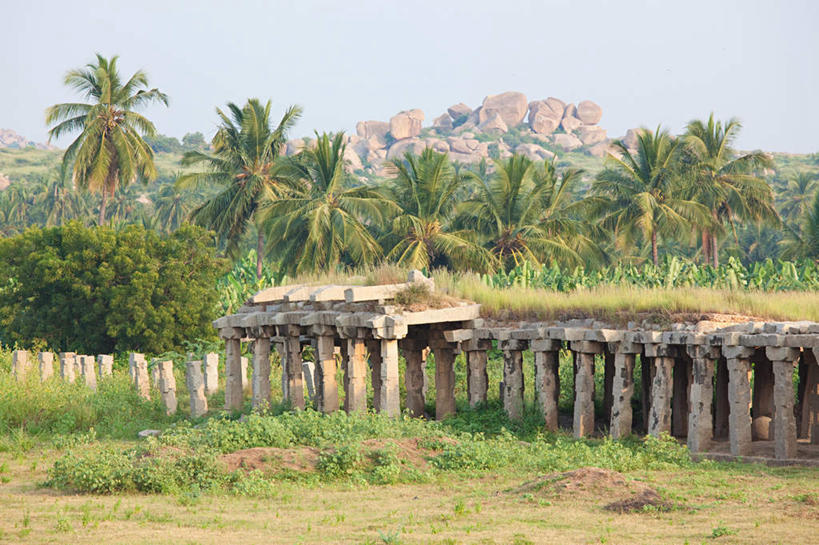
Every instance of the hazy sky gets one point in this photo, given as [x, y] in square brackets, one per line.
[644, 62]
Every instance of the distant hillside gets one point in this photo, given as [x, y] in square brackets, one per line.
[10, 139]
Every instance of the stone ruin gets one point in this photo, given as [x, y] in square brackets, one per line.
[726, 388]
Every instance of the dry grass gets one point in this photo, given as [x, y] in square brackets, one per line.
[747, 504]
[619, 304]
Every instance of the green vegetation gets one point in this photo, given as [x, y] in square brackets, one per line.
[109, 152]
[98, 289]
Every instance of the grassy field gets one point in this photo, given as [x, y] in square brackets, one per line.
[71, 470]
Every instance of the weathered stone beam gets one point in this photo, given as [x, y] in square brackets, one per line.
[272, 295]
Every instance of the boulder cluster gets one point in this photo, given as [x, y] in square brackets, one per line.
[503, 124]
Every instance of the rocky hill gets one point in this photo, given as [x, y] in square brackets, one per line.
[10, 139]
[503, 124]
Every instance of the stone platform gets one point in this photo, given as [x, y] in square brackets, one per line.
[703, 382]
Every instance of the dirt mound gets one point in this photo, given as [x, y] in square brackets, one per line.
[270, 459]
[594, 484]
[410, 451]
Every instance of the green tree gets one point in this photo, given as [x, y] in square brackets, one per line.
[99, 289]
[424, 192]
[724, 181]
[194, 140]
[522, 212]
[798, 195]
[173, 207]
[319, 220]
[640, 196]
[110, 151]
[61, 202]
[243, 163]
[803, 241]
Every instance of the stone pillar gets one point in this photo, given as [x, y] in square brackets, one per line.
[783, 361]
[622, 386]
[646, 378]
[513, 385]
[547, 380]
[141, 378]
[679, 397]
[133, 359]
[739, 398]
[444, 378]
[584, 386]
[721, 406]
[659, 419]
[195, 381]
[233, 367]
[374, 352]
[20, 364]
[292, 367]
[477, 380]
[700, 423]
[105, 365]
[211, 373]
[389, 400]
[308, 371]
[167, 386]
[762, 397]
[326, 385]
[89, 374]
[154, 368]
[261, 369]
[413, 350]
[46, 361]
[355, 380]
[67, 367]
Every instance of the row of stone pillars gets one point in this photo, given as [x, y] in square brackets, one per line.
[71, 366]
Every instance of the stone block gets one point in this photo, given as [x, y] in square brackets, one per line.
[46, 364]
[211, 362]
[167, 386]
[67, 370]
[105, 365]
[195, 381]
[20, 364]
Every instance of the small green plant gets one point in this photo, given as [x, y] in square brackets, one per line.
[339, 462]
[722, 530]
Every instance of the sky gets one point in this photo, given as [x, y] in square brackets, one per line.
[644, 62]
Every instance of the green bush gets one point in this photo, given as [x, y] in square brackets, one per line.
[99, 290]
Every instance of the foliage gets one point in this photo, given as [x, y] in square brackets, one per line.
[110, 151]
[98, 289]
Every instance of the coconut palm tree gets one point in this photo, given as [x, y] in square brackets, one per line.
[640, 197]
[798, 194]
[173, 206]
[424, 192]
[320, 220]
[109, 151]
[61, 202]
[803, 242]
[243, 163]
[724, 181]
[523, 212]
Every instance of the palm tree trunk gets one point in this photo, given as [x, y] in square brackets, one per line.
[259, 252]
[654, 255]
[714, 251]
[706, 256]
[101, 220]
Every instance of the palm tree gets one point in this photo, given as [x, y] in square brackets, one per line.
[804, 241]
[319, 221]
[173, 206]
[243, 163]
[724, 182]
[61, 202]
[798, 194]
[424, 193]
[110, 151]
[640, 195]
[522, 211]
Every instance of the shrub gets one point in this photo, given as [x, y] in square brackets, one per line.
[97, 289]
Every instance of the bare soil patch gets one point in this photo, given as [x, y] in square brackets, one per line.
[595, 484]
[271, 459]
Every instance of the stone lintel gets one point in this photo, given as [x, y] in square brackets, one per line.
[358, 294]
[530, 333]
[328, 293]
[697, 351]
[801, 341]
[261, 332]
[321, 317]
[443, 315]
[764, 339]
[781, 353]
[321, 330]
[587, 347]
[272, 295]
[545, 345]
[567, 333]
[628, 347]
[476, 345]
[458, 335]
[603, 335]
[660, 350]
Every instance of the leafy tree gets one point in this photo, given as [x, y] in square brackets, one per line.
[803, 241]
[724, 182]
[98, 289]
[61, 202]
[243, 162]
[319, 220]
[173, 207]
[110, 151]
[163, 144]
[640, 196]
[521, 212]
[194, 140]
[424, 192]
